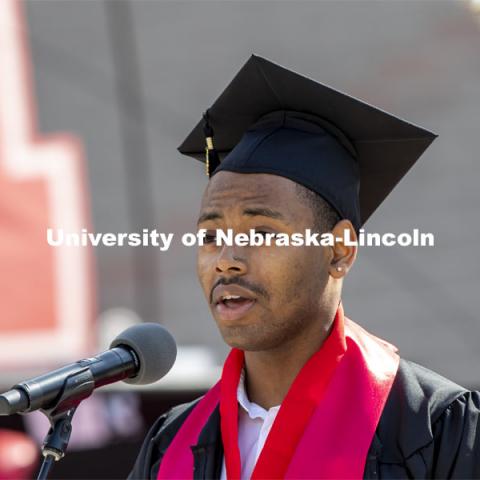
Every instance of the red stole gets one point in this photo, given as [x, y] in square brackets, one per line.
[325, 424]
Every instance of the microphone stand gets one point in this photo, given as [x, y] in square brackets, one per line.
[56, 441]
[76, 388]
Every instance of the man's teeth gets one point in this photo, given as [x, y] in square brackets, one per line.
[230, 297]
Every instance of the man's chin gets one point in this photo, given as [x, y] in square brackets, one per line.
[246, 338]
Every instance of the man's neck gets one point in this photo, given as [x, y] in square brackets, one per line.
[270, 373]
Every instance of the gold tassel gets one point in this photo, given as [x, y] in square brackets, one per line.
[212, 159]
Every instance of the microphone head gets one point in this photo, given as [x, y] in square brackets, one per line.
[155, 348]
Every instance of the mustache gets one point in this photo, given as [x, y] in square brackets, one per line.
[259, 290]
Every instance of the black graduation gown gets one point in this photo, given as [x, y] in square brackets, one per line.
[429, 428]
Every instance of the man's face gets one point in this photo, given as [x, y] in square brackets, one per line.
[261, 297]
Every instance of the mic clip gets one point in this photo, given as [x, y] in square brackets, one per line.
[76, 388]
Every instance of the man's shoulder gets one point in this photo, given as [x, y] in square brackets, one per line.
[171, 421]
[418, 400]
[416, 386]
[158, 440]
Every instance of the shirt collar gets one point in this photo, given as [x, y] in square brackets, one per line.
[253, 410]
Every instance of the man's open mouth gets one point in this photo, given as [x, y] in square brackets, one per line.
[232, 309]
[232, 301]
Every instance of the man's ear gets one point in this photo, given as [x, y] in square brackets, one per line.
[343, 252]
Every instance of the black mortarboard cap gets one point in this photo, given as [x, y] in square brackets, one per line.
[272, 120]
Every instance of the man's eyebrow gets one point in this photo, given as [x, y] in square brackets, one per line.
[263, 212]
[204, 217]
[250, 212]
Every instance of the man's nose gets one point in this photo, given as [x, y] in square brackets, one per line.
[229, 260]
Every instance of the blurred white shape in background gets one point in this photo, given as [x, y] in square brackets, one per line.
[195, 369]
[475, 6]
[112, 322]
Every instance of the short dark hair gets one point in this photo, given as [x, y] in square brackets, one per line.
[324, 215]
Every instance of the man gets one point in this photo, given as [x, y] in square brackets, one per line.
[305, 392]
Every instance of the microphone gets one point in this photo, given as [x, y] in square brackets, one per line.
[140, 355]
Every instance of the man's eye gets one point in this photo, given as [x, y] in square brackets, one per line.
[264, 233]
[210, 238]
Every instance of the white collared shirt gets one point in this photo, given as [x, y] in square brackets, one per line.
[254, 424]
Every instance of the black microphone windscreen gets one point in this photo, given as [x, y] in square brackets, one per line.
[155, 348]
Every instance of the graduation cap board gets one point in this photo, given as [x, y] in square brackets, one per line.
[272, 120]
